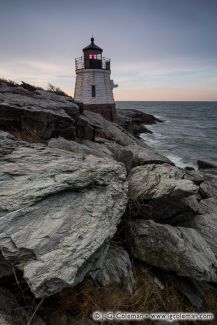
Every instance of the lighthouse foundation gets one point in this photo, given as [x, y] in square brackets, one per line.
[108, 111]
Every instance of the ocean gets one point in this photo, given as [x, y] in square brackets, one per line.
[188, 133]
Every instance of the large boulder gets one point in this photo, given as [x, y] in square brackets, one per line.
[99, 149]
[131, 155]
[156, 181]
[172, 211]
[108, 130]
[178, 249]
[206, 225]
[129, 116]
[119, 152]
[118, 139]
[205, 165]
[209, 187]
[38, 115]
[134, 120]
[194, 175]
[143, 154]
[136, 154]
[57, 210]
[84, 148]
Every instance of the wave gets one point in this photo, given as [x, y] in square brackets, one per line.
[188, 131]
[179, 162]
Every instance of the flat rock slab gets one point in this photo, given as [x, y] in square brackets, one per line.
[84, 148]
[57, 209]
[179, 249]
[143, 155]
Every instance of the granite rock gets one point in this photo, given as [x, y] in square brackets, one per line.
[159, 181]
[37, 116]
[207, 206]
[206, 225]
[116, 270]
[134, 120]
[143, 154]
[178, 249]
[57, 209]
[208, 188]
[205, 165]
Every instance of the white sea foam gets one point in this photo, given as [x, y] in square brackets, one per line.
[188, 131]
[162, 118]
[148, 138]
[159, 117]
[178, 161]
[154, 137]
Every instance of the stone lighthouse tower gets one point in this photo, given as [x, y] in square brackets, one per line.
[93, 86]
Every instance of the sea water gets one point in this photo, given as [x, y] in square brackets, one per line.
[188, 132]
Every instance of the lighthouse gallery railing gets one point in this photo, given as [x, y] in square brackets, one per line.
[101, 64]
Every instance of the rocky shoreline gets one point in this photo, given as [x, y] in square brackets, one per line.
[88, 209]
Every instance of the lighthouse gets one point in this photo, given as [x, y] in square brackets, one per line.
[93, 86]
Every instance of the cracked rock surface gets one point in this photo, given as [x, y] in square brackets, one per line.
[159, 181]
[179, 249]
[57, 209]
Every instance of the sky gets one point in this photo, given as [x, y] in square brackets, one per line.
[159, 49]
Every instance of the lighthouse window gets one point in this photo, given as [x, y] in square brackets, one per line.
[93, 91]
[92, 56]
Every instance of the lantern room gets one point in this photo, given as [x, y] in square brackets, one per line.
[92, 58]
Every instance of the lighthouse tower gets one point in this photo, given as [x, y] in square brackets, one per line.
[93, 86]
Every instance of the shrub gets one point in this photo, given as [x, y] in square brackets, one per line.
[56, 90]
[8, 82]
[28, 86]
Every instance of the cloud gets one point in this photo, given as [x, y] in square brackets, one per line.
[137, 81]
[158, 47]
[39, 73]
